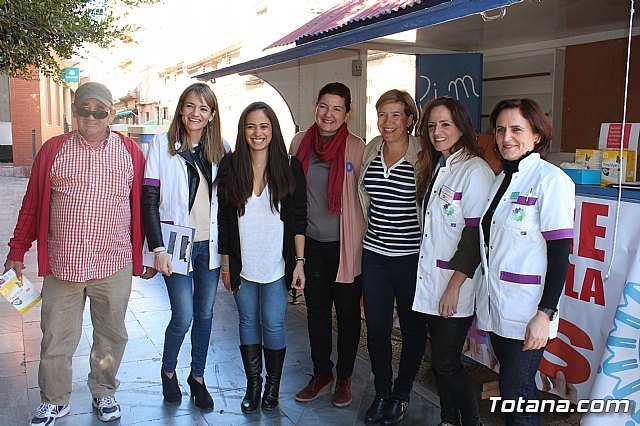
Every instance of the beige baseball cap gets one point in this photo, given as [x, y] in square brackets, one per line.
[93, 90]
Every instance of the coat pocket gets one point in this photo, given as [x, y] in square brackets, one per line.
[521, 293]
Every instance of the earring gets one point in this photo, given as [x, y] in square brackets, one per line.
[178, 144]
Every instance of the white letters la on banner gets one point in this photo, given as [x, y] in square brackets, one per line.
[591, 349]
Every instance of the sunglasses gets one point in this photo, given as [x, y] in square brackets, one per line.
[99, 114]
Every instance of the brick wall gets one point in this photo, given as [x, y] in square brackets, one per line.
[24, 97]
[28, 113]
[54, 128]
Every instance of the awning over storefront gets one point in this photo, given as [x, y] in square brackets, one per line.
[126, 112]
[412, 16]
[351, 14]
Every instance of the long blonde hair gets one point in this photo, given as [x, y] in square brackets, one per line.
[211, 139]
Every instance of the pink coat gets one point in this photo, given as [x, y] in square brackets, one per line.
[352, 226]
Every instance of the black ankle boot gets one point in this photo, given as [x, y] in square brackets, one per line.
[170, 388]
[376, 411]
[396, 410]
[200, 394]
[273, 360]
[252, 360]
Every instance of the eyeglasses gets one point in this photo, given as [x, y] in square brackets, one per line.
[98, 114]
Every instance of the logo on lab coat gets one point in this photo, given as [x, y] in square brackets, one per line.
[518, 214]
[448, 209]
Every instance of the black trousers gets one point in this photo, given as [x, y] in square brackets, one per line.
[321, 293]
[518, 370]
[385, 279]
[457, 398]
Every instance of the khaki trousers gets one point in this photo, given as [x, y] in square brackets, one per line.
[61, 323]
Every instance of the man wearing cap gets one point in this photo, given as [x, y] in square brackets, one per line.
[82, 205]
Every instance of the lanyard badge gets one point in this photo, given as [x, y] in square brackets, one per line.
[446, 194]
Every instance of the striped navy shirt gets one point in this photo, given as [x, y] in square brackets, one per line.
[393, 228]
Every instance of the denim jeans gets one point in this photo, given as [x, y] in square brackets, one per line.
[321, 294]
[385, 278]
[517, 376]
[261, 309]
[457, 398]
[191, 298]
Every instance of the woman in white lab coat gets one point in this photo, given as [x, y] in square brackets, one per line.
[453, 185]
[526, 232]
[178, 189]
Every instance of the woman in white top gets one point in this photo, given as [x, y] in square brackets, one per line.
[526, 232]
[178, 189]
[453, 183]
[263, 219]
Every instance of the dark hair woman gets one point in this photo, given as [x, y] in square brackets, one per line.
[526, 231]
[387, 191]
[453, 183]
[331, 157]
[262, 219]
[178, 189]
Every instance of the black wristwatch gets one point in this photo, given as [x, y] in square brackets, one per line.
[550, 312]
[300, 259]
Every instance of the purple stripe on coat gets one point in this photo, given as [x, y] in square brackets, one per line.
[520, 278]
[151, 182]
[558, 234]
[526, 201]
[457, 196]
[443, 264]
[170, 222]
[472, 221]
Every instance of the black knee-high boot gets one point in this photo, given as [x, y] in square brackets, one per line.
[273, 360]
[252, 360]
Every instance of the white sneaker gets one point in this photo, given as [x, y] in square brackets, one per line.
[108, 408]
[46, 414]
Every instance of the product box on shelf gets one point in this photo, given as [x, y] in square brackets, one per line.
[612, 164]
[590, 158]
[584, 177]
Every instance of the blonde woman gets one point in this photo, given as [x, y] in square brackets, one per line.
[387, 189]
[178, 189]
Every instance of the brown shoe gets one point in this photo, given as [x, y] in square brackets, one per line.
[318, 385]
[342, 394]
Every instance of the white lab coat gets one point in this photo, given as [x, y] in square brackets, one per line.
[537, 206]
[169, 172]
[458, 198]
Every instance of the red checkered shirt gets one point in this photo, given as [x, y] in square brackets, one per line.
[90, 216]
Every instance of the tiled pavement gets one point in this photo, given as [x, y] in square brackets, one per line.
[140, 394]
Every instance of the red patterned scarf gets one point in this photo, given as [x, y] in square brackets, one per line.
[331, 150]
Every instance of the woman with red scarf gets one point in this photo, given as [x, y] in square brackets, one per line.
[331, 157]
